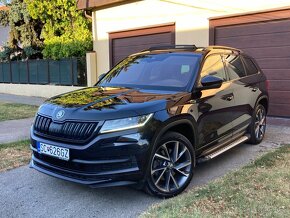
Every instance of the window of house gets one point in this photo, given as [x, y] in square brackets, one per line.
[234, 66]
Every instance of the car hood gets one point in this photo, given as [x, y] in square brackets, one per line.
[102, 103]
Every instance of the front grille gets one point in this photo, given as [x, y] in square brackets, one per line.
[69, 130]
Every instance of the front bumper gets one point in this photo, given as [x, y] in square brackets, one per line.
[112, 159]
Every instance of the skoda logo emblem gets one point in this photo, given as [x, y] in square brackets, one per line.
[60, 114]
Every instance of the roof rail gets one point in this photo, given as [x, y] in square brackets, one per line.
[163, 47]
[224, 47]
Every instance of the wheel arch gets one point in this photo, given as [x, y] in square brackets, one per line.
[183, 124]
[263, 100]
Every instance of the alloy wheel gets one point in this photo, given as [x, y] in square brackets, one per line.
[171, 166]
[260, 123]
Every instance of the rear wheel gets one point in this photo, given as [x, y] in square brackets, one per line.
[258, 126]
[171, 166]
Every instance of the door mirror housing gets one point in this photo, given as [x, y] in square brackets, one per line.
[211, 82]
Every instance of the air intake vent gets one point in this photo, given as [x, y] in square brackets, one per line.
[67, 131]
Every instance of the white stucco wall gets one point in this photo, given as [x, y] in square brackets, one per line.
[190, 18]
[191, 26]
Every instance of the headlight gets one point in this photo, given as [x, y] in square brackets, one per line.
[124, 124]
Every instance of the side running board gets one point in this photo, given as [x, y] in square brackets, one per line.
[224, 149]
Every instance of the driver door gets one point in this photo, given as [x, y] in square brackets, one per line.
[215, 105]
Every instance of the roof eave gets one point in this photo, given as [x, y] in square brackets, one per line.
[101, 4]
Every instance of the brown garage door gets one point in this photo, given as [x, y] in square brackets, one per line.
[266, 37]
[125, 43]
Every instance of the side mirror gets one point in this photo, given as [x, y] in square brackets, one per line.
[101, 76]
[211, 82]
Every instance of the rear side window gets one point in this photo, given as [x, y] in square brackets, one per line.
[234, 66]
[214, 66]
[250, 66]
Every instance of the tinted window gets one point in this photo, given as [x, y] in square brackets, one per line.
[250, 66]
[213, 65]
[234, 66]
[172, 71]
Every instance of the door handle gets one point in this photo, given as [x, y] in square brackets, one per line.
[254, 89]
[229, 98]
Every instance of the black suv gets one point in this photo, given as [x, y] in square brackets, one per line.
[151, 118]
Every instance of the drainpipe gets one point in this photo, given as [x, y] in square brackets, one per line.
[87, 15]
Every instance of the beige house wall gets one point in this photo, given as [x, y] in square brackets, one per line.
[190, 18]
[191, 26]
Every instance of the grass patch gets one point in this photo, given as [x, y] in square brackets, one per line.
[260, 189]
[14, 155]
[13, 111]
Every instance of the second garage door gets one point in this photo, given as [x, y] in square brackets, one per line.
[125, 43]
[269, 43]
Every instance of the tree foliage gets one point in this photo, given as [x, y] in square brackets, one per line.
[66, 31]
[23, 41]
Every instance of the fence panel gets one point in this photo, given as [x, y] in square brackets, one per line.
[66, 72]
[62, 72]
[75, 72]
[15, 71]
[43, 72]
[33, 71]
[23, 72]
[6, 72]
[54, 72]
[1, 74]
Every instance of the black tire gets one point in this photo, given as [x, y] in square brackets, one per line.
[170, 172]
[258, 125]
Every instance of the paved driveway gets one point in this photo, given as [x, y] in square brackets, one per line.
[15, 130]
[21, 99]
[27, 193]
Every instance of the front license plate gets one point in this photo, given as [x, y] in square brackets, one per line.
[54, 151]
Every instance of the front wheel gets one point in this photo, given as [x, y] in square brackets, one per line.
[171, 166]
[258, 125]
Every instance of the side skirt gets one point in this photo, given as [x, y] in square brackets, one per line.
[218, 149]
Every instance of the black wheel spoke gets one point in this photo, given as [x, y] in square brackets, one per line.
[182, 165]
[167, 181]
[162, 157]
[166, 151]
[174, 181]
[181, 153]
[160, 177]
[182, 172]
[157, 169]
[175, 151]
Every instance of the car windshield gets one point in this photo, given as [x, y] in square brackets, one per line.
[168, 71]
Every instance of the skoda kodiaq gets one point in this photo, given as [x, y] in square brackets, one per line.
[152, 118]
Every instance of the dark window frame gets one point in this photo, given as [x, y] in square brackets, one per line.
[226, 68]
[253, 62]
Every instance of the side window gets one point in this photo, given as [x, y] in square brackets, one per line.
[250, 66]
[234, 66]
[213, 65]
